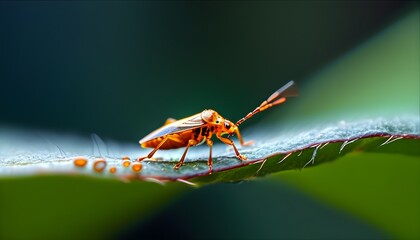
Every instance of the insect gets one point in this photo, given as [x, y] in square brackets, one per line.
[199, 128]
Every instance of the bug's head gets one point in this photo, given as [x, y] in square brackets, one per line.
[228, 127]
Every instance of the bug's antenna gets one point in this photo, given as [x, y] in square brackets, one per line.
[278, 97]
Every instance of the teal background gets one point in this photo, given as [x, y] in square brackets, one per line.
[119, 69]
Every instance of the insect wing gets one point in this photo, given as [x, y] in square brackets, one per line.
[181, 125]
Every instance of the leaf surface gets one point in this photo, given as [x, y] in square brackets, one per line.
[268, 155]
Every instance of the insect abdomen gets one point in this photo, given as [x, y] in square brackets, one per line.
[177, 140]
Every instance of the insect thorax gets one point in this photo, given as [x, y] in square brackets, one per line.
[209, 115]
[203, 132]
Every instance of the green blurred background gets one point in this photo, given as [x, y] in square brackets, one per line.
[119, 69]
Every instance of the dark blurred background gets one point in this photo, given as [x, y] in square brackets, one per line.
[119, 69]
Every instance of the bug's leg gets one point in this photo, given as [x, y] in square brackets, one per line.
[230, 142]
[245, 144]
[181, 161]
[154, 150]
[210, 161]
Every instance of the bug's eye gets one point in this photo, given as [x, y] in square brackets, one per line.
[227, 125]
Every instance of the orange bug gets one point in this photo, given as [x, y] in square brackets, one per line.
[200, 127]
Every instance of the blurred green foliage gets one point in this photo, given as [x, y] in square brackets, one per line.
[378, 78]
[77, 207]
[380, 188]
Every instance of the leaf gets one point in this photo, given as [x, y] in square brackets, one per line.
[70, 207]
[305, 149]
[381, 188]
